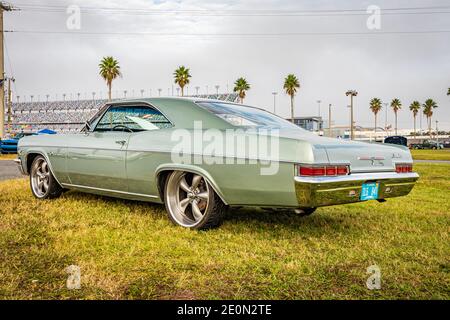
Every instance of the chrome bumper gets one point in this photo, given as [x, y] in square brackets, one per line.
[326, 191]
[19, 163]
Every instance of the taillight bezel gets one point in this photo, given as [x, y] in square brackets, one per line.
[322, 170]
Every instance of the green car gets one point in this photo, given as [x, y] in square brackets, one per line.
[200, 157]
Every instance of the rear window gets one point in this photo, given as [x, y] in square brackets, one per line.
[244, 116]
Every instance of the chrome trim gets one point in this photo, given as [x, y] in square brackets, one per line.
[19, 163]
[68, 185]
[325, 191]
[357, 177]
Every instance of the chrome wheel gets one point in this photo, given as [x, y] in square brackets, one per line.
[187, 198]
[40, 177]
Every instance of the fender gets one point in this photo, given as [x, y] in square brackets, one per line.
[192, 169]
[24, 155]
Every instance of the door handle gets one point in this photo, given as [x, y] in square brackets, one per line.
[121, 142]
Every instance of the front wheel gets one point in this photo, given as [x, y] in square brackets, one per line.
[43, 183]
[191, 202]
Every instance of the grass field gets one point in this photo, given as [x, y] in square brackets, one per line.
[443, 154]
[129, 250]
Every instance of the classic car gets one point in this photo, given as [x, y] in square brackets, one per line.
[10, 145]
[131, 149]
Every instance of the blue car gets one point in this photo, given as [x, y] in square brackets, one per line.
[10, 145]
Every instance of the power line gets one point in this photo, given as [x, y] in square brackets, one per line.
[278, 34]
[213, 14]
[10, 64]
[61, 7]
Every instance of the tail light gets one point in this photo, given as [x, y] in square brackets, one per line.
[403, 167]
[322, 171]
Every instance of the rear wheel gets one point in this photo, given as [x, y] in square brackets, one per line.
[43, 183]
[191, 202]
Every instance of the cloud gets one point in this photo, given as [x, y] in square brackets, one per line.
[406, 66]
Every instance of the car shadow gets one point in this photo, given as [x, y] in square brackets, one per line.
[272, 221]
[242, 220]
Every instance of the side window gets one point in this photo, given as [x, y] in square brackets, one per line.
[132, 118]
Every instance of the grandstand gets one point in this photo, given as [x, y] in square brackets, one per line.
[66, 116]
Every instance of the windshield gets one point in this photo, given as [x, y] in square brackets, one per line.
[244, 116]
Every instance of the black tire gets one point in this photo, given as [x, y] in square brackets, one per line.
[213, 212]
[54, 190]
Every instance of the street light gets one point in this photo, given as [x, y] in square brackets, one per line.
[217, 88]
[351, 93]
[437, 134]
[142, 93]
[159, 92]
[329, 120]
[125, 94]
[197, 88]
[319, 102]
[274, 101]
[47, 96]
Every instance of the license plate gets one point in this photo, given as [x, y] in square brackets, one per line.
[369, 191]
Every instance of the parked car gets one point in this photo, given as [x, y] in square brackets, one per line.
[10, 145]
[402, 141]
[131, 149]
[427, 144]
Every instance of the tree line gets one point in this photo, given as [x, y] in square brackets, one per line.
[110, 70]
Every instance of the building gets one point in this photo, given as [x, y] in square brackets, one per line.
[314, 124]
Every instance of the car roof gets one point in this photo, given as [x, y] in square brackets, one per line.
[182, 112]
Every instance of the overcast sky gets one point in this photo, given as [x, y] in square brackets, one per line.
[408, 66]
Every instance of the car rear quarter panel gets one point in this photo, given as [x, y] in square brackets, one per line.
[239, 181]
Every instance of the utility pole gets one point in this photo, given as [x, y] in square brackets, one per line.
[3, 7]
[274, 101]
[10, 103]
[351, 93]
[319, 102]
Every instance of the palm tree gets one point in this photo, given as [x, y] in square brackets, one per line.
[375, 106]
[428, 107]
[241, 86]
[396, 105]
[182, 76]
[448, 92]
[109, 70]
[415, 107]
[291, 83]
